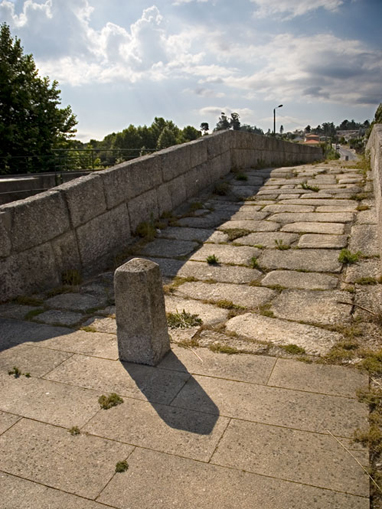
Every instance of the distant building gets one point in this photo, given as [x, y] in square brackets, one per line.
[312, 139]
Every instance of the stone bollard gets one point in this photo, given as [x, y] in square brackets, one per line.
[141, 317]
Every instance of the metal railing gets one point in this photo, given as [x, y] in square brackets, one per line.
[69, 160]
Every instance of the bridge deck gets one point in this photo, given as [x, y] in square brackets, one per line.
[206, 428]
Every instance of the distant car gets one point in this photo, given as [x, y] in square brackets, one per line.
[337, 147]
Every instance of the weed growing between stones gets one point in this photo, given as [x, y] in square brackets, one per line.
[348, 257]
[306, 186]
[254, 264]
[196, 205]
[228, 304]
[75, 430]
[294, 349]
[221, 188]
[121, 466]
[33, 313]
[71, 277]
[189, 343]
[360, 208]
[359, 196]
[235, 233]
[265, 310]
[146, 230]
[107, 402]
[212, 260]
[280, 245]
[16, 372]
[241, 176]
[219, 348]
[28, 301]
[183, 320]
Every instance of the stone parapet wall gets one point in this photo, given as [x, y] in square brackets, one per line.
[82, 224]
[374, 147]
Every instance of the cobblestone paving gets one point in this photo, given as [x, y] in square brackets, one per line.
[205, 429]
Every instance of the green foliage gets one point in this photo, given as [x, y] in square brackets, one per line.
[219, 348]
[212, 260]
[16, 372]
[221, 188]
[183, 320]
[28, 301]
[294, 349]
[71, 277]
[146, 230]
[236, 233]
[32, 125]
[348, 257]
[280, 245]
[254, 264]
[228, 304]
[33, 313]
[377, 119]
[121, 466]
[107, 402]
[241, 176]
[166, 139]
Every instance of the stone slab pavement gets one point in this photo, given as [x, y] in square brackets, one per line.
[204, 428]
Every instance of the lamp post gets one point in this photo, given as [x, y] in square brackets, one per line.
[274, 118]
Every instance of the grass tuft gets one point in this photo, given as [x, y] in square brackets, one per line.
[254, 264]
[107, 402]
[219, 348]
[294, 349]
[280, 245]
[348, 257]
[183, 320]
[221, 188]
[121, 466]
[212, 260]
[75, 430]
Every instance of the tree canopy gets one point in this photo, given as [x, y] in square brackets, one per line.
[31, 123]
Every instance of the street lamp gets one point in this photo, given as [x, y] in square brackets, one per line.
[274, 118]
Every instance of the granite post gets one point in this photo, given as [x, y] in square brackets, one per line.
[141, 317]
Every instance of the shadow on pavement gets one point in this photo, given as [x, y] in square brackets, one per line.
[163, 388]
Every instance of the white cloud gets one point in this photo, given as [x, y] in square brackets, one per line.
[180, 2]
[319, 68]
[293, 8]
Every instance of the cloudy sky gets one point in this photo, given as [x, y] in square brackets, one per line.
[121, 62]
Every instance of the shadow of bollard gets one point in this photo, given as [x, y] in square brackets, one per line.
[162, 387]
[143, 341]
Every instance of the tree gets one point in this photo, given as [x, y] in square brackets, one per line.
[251, 129]
[223, 123]
[234, 122]
[204, 127]
[32, 125]
[166, 139]
[189, 133]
